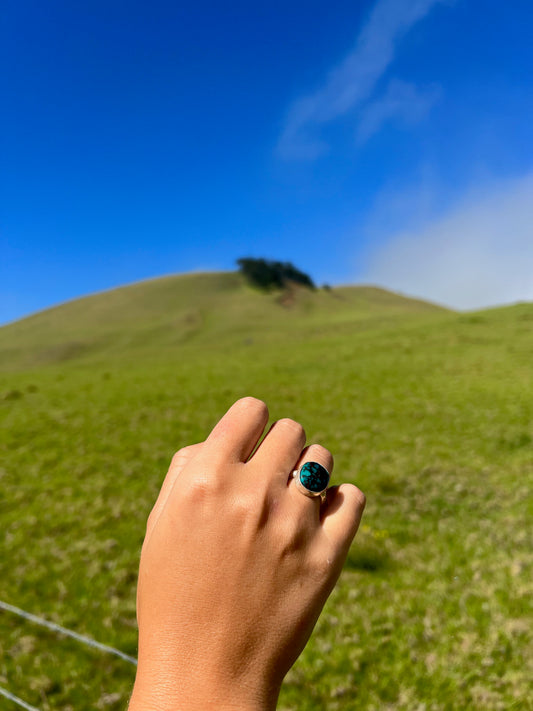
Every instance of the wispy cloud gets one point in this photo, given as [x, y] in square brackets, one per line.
[479, 254]
[402, 101]
[353, 80]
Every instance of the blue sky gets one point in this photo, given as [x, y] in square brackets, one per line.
[386, 142]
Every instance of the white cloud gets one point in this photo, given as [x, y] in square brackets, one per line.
[401, 100]
[350, 83]
[479, 254]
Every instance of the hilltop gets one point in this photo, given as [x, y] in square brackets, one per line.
[197, 308]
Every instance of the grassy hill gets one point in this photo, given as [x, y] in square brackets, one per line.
[429, 411]
[194, 309]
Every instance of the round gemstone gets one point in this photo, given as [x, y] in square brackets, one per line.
[314, 477]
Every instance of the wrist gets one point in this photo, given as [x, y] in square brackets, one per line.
[183, 693]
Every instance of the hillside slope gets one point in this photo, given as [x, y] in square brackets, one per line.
[172, 311]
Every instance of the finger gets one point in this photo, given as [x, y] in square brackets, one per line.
[237, 433]
[278, 453]
[341, 515]
[313, 453]
[179, 461]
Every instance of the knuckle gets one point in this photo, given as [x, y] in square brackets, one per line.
[200, 489]
[290, 536]
[176, 458]
[254, 404]
[317, 451]
[150, 520]
[295, 427]
[357, 495]
[181, 455]
[361, 498]
[242, 508]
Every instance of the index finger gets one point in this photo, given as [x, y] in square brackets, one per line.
[234, 437]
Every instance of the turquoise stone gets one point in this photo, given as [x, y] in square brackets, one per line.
[314, 477]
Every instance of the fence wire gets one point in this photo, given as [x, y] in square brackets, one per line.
[15, 699]
[66, 632]
[60, 630]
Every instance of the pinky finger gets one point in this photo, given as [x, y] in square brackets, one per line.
[341, 515]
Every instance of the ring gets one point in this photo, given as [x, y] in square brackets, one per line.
[312, 479]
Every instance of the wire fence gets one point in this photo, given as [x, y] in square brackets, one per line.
[23, 705]
[88, 641]
[66, 632]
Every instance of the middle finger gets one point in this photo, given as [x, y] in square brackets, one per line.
[279, 451]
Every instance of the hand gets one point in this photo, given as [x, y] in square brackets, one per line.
[236, 567]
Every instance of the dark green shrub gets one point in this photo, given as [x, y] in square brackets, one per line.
[267, 274]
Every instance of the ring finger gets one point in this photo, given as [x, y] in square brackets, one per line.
[320, 455]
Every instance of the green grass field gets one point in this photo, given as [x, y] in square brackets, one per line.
[430, 412]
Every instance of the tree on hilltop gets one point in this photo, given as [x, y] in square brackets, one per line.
[267, 274]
